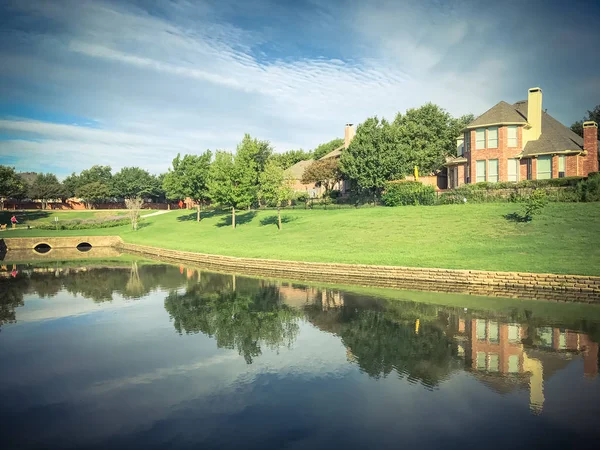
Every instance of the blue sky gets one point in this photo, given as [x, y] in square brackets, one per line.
[135, 82]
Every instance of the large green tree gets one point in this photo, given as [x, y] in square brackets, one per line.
[95, 174]
[233, 181]
[11, 185]
[189, 177]
[47, 187]
[593, 114]
[275, 187]
[327, 147]
[93, 192]
[375, 156]
[132, 182]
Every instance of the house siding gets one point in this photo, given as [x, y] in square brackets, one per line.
[503, 153]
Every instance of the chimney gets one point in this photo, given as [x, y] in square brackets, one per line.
[590, 145]
[534, 113]
[348, 134]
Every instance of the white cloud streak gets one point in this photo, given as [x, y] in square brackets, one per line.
[193, 79]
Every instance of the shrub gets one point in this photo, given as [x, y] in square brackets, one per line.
[534, 204]
[589, 190]
[80, 224]
[408, 193]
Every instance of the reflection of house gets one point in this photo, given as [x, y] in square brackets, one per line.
[522, 142]
[297, 297]
[506, 356]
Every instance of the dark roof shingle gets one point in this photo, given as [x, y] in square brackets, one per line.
[498, 114]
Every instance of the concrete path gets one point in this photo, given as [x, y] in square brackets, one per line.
[158, 213]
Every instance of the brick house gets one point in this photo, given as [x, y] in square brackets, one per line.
[522, 142]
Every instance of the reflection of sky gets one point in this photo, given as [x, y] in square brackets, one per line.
[117, 374]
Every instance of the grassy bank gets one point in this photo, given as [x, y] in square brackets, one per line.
[473, 236]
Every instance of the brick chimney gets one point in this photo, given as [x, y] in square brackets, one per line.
[534, 113]
[348, 134]
[590, 145]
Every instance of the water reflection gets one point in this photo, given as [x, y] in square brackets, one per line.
[506, 350]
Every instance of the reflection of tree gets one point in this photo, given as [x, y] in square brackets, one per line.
[244, 319]
[384, 339]
[134, 287]
[11, 296]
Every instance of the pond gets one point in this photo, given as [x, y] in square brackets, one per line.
[135, 354]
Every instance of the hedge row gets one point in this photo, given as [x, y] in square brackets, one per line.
[80, 224]
[408, 193]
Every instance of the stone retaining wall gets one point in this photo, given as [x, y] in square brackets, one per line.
[62, 242]
[500, 284]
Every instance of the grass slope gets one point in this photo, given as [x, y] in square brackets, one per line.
[472, 236]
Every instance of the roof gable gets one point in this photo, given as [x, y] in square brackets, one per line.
[501, 113]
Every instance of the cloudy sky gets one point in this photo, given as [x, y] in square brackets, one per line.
[135, 82]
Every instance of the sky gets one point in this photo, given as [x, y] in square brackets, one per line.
[134, 82]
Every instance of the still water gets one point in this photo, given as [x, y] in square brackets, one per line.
[141, 355]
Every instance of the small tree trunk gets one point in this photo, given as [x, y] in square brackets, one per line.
[233, 217]
[198, 212]
[279, 217]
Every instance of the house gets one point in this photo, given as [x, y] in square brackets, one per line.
[314, 190]
[521, 142]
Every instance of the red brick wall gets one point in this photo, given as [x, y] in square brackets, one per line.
[503, 153]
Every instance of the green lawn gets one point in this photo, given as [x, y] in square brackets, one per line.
[564, 239]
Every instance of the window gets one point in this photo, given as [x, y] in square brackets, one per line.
[480, 171]
[529, 168]
[493, 170]
[545, 335]
[513, 170]
[513, 364]
[544, 167]
[561, 166]
[492, 137]
[562, 340]
[468, 141]
[480, 138]
[481, 360]
[512, 136]
[514, 333]
[494, 332]
[460, 148]
[480, 327]
[468, 174]
[493, 362]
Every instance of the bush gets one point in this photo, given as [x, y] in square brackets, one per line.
[408, 193]
[589, 190]
[534, 204]
[80, 224]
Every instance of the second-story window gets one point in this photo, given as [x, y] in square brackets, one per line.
[492, 137]
[512, 136]
[480, 138]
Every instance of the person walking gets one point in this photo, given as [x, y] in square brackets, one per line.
[14, 221]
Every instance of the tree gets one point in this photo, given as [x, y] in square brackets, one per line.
[255, 154]
[375, 156]
[132, 182]
[291, 157]
[275, 187]
[93, 192]
[134, 207]
[232, 181]
[327, 147]
[46, 187]
[71, 184]
[325, 172]
[429, 134]
[11, 185]
[189, 177]
[594, 115]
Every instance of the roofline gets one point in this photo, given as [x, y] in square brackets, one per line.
[471, 127]
[456, 162]
[562, 152]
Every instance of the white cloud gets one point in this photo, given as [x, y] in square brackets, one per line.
[189, 79]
